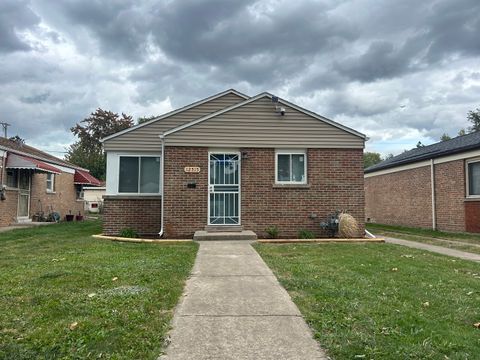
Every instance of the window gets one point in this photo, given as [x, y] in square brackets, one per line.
[12, 178]
[473, 178]
[139, 174]
[291, 167]
[50, 182]
[79, 191]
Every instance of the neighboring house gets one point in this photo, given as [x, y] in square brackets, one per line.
[436, 186]
[93, 196]
[228, 161]
[36, 183]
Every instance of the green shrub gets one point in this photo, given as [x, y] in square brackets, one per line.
[272, 232]
[128, 233]
[306, 234]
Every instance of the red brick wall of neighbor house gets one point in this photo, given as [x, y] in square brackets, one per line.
[63, 200]
[450, 195]
[8, 208]
[335, 178]
[140, 214]
[472, 216]
[400, 198]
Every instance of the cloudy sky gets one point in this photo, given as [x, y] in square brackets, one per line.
[398, 71]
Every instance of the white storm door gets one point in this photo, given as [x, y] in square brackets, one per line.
[224, 189]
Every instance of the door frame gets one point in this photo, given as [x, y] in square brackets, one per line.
[226, 151]
[29, 174]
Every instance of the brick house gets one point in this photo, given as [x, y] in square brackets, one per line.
[33, 182]
[232, 162]
[436, 186]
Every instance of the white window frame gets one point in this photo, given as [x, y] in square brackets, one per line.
[138, 193]
[467, 178]
[291, 152]
[50, 189]
[15, 172]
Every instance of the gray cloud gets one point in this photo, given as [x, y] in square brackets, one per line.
[391, 69]
[15, 16]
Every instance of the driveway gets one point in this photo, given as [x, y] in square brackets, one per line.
[234, 308]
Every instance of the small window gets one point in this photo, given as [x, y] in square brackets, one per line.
[291, 168]
[50, 182]
[473, 186]
[139, 174]
[79, 191]
[12, 178]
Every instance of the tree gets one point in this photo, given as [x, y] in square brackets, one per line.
[370, 159]
[143, 119]
[445, 137]
[474, 118]
[87, 152]
[461, 132]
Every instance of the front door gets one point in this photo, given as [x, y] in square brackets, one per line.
[23, 194]
[224, 189]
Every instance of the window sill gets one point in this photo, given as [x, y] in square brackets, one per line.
[291, 186]
[51, 192]
[131, 197]
[468, 199]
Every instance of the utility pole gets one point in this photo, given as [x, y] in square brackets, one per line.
[5, 128]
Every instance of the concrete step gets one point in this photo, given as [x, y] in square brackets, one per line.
[202, 235]
[223, 228]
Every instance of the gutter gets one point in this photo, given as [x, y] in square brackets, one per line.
[162, 167]
[432, 181]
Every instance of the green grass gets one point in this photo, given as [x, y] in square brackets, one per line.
[57, 275]
[459, 241]
[370, 300]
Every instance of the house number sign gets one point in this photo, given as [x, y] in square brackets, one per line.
[191, 169]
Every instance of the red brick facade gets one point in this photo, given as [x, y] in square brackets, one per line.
[405, 198]
[126, 212]
[63, 200]
[335, 182]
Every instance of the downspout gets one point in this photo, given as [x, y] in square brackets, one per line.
[162, 160]
[432, 181]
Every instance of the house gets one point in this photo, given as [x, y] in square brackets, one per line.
[232, 161]
[436, 186]
[93, 196]
[36, 184]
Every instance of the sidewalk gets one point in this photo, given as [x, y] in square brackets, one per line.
[433, 248]
[234, 308]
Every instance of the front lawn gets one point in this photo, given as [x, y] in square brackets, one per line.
[381, 301]
[66, 295]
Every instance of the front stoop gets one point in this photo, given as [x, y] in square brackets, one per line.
[202, 235]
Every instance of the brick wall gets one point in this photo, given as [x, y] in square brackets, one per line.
[404, 198]
[140, 214]
[450, 195]
[401, 198]
[472, 216]
[335, 181]
[8, 208]
[63, 200]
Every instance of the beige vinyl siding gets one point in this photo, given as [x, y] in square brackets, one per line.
[258, 125]
[146, 138]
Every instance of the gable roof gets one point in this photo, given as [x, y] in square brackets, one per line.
[448, 147]
[176, 111]
[259, 96]
[23, 149]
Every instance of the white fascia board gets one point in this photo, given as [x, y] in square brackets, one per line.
[2, 153]
[174, 112]
[398, 169]
[439, 160]
[259, 96]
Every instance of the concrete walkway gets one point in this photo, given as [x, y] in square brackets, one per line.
[433, 248]
[234, 308]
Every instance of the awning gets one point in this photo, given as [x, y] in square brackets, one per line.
[84, 178]
[15, 161]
